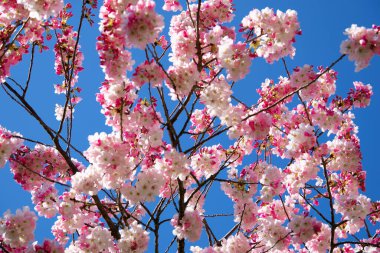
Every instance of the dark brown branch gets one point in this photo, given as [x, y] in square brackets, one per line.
[29, 72]
[114, 230]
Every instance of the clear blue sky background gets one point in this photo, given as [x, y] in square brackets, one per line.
[322, 23]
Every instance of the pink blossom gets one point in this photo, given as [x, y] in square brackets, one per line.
[60, 111]
[133, 239]
[235, 58]
[273, 234]
[42, 9]
[28, 165]
[354, 209]
[208, 160]
[47, 246]
[216, 97]
[45, 198]
[181, 80]
[200, 122]
[147, 188]
[73, 217]
[142, 24]
[345, 155]
[97, 239]
[174, 164]
[172, 5]
[260, 125]
[362, 95]
[301, 139]
[272, 182]
[18, 230]
[304, 228]
[148, 72]
[8, 144]
[236, 243]
[109, 157]
[245, 212]
[189, 227]
[300, 172]
[275, 32]
[321, 241]
[362, 44]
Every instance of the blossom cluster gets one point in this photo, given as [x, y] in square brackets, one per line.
[142, 24]
[235, 58]
[275, 32]
[8, 145]
[42, 9]
[208, 161]
[362, 44]
[189, 227]
[105, 204]
[18, 230]
[13, 14]
[111, 165]
[148, 72]
[31, 166]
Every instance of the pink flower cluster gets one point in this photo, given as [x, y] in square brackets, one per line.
[200, 122]
[235, 243]
[115, 60]
[17, 230]
[216, 97]
[47, 246]
[133, 239]
[323, 87]
[10, 11]
[64, 50]
[96, 239]
[173, 164]
[273, 234]
[273, 206]
[301, 139]
[275, 32]
[362, 44]
[142, 24]
[235, 58]
[15, 44]
[183, 33]
[31, 166]
[260, 125]
[147, 188]
[362, 94]
[60, 112]
[45, 199]
[172, 5]
[42, 9]
[181, 80]
[304, 228]
[271, 180]
[8, 145]
[354, 209]
[114, 98]
[189, 227]
[111, 164]
[148, 72]
[74, 214]
[37, 170]
[208, 161]
[300, 172]
[217, 11]
[345, 155]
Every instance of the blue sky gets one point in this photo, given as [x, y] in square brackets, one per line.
[322, 24]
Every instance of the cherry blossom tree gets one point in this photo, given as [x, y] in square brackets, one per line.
[303, 190]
